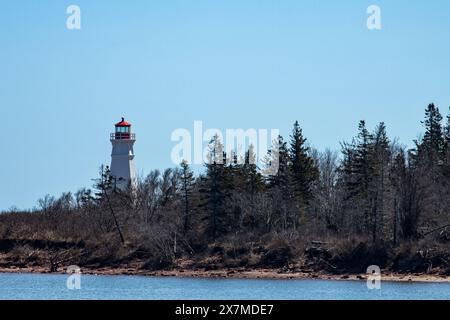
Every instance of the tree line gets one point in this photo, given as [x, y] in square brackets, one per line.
[374, 189]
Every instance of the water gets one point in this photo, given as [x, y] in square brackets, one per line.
[46, 286]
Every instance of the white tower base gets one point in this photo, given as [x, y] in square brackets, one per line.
[123, 169]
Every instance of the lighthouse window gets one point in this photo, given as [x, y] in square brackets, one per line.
[122, 129]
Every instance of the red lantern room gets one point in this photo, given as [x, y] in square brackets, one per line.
[123, 131]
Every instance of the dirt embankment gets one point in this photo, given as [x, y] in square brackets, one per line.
[276, 260]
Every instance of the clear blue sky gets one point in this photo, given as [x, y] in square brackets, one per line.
[231, 64]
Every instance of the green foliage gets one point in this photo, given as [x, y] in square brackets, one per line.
[187, 184]
[304, 170]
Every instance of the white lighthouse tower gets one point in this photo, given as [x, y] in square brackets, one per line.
[123, 170]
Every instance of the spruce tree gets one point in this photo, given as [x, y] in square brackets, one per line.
[398, 178]
[379, 159]
[105, 188]
[447, 129]
[215, 189]
[362, 165]
[251, 176]
[187, 182]
[278, 164]
[252, 182]
[279, 184]
[433, 140]
[446, 149]
[355, 178]
[304, 170]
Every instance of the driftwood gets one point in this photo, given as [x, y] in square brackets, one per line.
[57, 257]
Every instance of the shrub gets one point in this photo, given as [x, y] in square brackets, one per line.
[277, 255]
[355, 256]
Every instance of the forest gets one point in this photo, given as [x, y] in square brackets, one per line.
[374, 202]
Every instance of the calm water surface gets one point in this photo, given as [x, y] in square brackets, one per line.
[45, 286]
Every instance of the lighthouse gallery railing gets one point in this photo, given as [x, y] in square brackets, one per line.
[122, 136]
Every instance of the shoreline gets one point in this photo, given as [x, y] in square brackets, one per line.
[257, 274]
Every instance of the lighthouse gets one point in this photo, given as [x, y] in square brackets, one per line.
[123, 170]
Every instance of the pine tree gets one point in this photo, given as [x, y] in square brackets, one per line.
[398, 178]
[447, 129]
[187, 182]
[278, 164]
[363, 151]
[215, 189]
[433, 140]
[104, 184]
[347, 173]
[251, 176]
[356, 162]
[428, 170]
[446, 149]
[105, 188]
[304, 170]
[379, 159]
[251, 182]
[355, 178]
[279, 183]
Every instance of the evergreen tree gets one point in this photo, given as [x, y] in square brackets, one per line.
[398, 178]
[104, 184]
[446, 149]
[278, 164]
[251, 176]
[362, 164]
[215, 189]
[355, 178]
[428, 171]
[251, 182]
[447, 129]
[304, 170]
[347, 174]
[379, 159]
[187, 182]
[105, 188]
[279, 183]
[433, 140]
